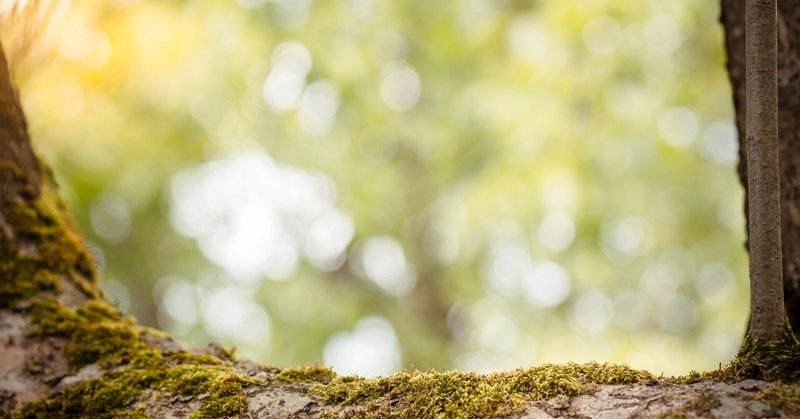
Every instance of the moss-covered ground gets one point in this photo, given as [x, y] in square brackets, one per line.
[455, 394]
[770, 360]
[461, 394]
[95, 333]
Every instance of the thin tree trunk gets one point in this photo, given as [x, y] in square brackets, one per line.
[766, 283]
[733, 19]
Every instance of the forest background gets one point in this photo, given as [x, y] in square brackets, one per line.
[375, 185]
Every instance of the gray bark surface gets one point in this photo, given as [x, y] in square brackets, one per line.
[16, 146]
[766, 281]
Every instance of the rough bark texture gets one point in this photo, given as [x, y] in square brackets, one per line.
[13, 130]
[763, 177]
[788, 129]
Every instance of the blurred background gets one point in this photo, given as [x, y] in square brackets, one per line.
[376, 185]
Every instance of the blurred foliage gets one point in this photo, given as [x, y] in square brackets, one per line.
[524, 181]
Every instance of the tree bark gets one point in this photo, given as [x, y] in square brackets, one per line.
[13, 129]
[788, 76]
[766, 282]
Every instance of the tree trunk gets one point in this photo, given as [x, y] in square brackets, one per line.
[788, 77]
[763, 177]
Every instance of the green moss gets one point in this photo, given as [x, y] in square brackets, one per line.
[762, 359]
[308, 374]
[107, 397]
[103, 342]
[48, 251]
[225, 396]
[96, 331]
[782, 396]
[227, 354]
[24, 281]
[675, 415]
[186, 357]
[220, 388]
[692, 377]
[52, 248]
[467, 395]
[139, 413]
[113, 395]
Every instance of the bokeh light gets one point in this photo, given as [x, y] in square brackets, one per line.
[376, 185]
[371, 349]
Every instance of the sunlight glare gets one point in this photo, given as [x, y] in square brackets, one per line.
[370, 350]
[401, 86]
[385, 264]
[251, 216]
[284, 86]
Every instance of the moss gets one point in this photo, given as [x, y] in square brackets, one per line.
[106, 397]
[24, 281]
[47, 247]
[221, 389]
[106, 342]
[114, 394]
[225, 394]
[466, 395]
[46, 252]
[762, 359]
[782, 396]
[95, 331]
[308, 374]
[227, 354]
[691, 378]
[185, 357]
[139, 413]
